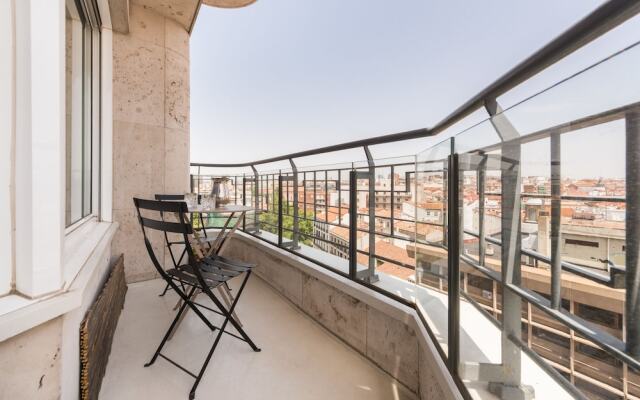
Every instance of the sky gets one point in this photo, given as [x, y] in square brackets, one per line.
[282, 76]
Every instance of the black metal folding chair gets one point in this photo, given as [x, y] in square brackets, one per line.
[171, 244]
[203, 243]
[201, 275]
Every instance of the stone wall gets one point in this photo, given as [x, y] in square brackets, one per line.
[30, 365]
[385, 332]
[150, 126]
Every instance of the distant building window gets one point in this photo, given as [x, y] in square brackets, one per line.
[599, 315]
[598, 354]
[480, 282]
[585, 243]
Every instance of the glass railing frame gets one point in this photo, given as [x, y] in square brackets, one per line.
[603, 19]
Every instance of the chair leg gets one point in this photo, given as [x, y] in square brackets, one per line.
[228, 318]
[166, 288]
[192, 297]
[235, 323]
[229, 313]
[227, 297]
[171, 328]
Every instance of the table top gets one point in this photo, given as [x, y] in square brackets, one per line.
[222, 209]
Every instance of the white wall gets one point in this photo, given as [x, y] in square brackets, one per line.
[40, 337]
[7, 137]
[40, 146]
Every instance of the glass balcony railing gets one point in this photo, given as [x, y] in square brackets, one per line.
[517, 239]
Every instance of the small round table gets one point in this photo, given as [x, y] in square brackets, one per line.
[232, 210]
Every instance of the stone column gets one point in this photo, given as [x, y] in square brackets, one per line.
[150, 127]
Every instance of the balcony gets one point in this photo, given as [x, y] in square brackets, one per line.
[516, 263]
[500, 263]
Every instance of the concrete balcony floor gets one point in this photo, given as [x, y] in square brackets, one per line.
[299, 358]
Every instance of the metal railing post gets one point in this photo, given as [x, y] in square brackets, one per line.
[371, 276]
[453, 261]
[353, 223]
[393, 197]
[315, 206]
[556, 214]
[482, 240]
[280, 209]
[296, 221]
[198, 182]
[632, 226]
[244, 201]
[256, 200]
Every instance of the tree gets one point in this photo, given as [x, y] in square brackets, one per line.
[269, 222]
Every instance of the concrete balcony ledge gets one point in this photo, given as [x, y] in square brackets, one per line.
[86, 260]
[386, 332]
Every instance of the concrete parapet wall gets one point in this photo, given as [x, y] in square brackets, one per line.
[384, 331]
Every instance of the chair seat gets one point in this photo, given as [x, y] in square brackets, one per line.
[227, 263]
[212, 277]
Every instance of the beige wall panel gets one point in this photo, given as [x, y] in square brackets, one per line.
[30, 363]
[176, 91]
[138, 81]
[151, 125]
[393, 345]
[176, 38]
[340, 313]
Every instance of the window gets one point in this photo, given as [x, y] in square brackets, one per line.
[598, 315]
[582, 243]
[81, 105]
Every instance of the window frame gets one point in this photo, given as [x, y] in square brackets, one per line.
[91, 112]
[39, 163]
[7, 144]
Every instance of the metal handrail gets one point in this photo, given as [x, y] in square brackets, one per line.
[615, 279]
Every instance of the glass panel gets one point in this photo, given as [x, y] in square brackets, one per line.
[553, 171]
[430, 238]
[78, 99]
[386, 225]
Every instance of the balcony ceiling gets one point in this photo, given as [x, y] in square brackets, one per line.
[228, 3]
[182, 11]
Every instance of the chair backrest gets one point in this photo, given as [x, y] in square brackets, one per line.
[169, 197]
[173, 197]
[148, 208]
[168, 241]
